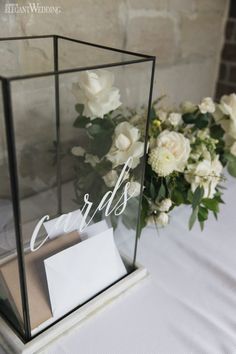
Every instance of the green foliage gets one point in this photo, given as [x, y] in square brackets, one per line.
[152, 113]
[81, 122]
[79, 108]
[193, 218]
[189, 118]
[200, 120]
[196, 211]
[202, 214]
[177, 197]
[197, 197]
[216, 132]
[211, 204]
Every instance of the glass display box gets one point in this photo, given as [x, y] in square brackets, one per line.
[73, 136]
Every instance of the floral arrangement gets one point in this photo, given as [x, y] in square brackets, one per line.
[189, 147]
[110, 134]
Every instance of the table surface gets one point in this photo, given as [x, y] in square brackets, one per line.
[187, 304]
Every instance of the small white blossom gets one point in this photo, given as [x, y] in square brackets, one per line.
[175, 118]
[162, 219]
[134, 189]
[77, 151]
[206, 174]
[110, 178]
[93, 160]
[165, 204]
[207, 105]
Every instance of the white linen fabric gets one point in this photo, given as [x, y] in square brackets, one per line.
[187, 305]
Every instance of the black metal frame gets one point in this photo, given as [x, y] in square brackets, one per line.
[12, 160]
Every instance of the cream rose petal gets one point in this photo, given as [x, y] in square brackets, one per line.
[95, 91]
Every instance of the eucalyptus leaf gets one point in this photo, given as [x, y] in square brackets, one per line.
[197, 196]
[202, 224]
[161, 193]
[152, 190]
[193, 218]
[202, 214]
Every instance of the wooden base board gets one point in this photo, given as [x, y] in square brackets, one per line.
[13, 345]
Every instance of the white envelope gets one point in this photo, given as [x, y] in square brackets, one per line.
[81, 271]
[93, 230]
[63, 224]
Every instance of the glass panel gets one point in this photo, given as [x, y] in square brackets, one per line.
[34, 108]
[32, 56]
[80, 143]
[80, 172]
[75, 55]
[10, 296]
[28, 56]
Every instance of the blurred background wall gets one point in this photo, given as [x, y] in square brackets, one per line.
[186, 35]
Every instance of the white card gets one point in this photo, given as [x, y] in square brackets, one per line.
[81, 271]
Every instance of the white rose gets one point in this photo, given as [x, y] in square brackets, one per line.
[110, 178]
[77, 151]
[228, 107]
[91, 159]
[175, 118]
[187, 107]
[165, 204]
[126, 144]
[134, 189]
[233, 149]
[162, 161]
[162, 219]
[178, 146]
[206, 174]
[207, 105]
[95, 90]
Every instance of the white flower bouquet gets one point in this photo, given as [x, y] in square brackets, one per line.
[189, 147]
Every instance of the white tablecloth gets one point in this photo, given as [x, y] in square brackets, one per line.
[187, 305]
